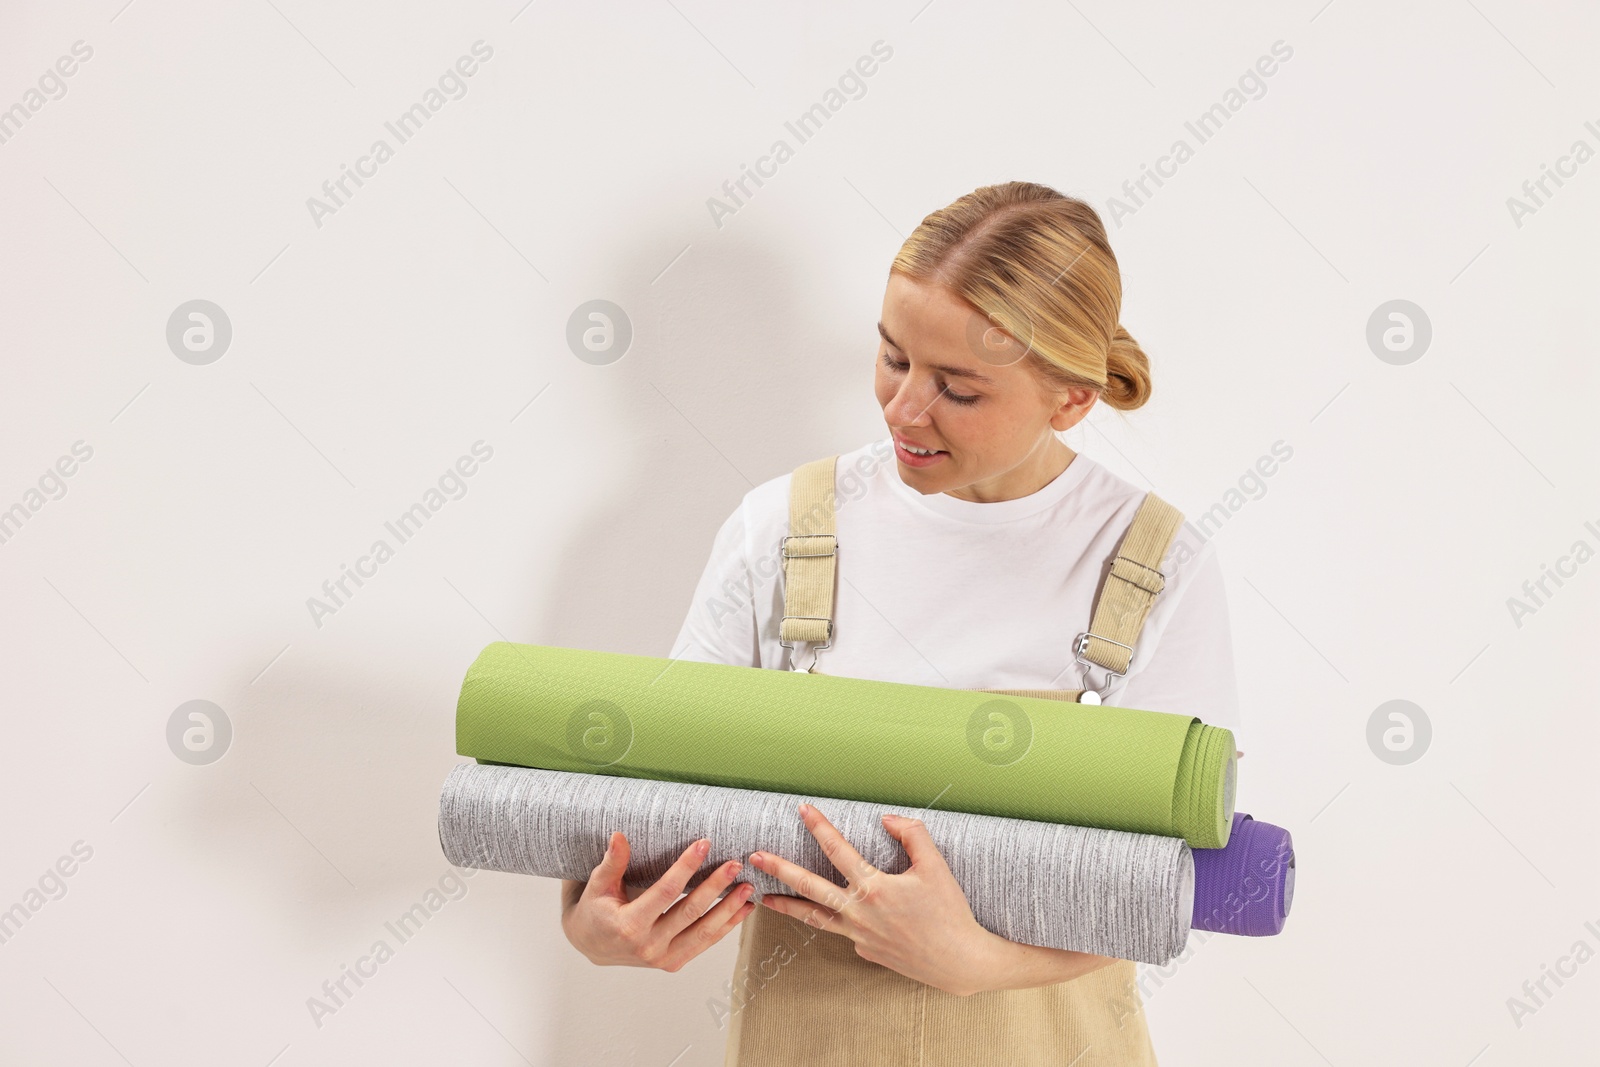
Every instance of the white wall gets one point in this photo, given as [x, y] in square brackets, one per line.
[370, 351]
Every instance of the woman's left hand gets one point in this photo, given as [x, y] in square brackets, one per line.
[917, 923]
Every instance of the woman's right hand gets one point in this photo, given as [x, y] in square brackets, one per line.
[612, 930]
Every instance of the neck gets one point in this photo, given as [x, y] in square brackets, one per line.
[1038, 469]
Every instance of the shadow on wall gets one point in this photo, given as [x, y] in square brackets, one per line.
[733, 378]
[326, 822]
[711, 397]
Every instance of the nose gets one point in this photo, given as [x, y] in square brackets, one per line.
[911, 401]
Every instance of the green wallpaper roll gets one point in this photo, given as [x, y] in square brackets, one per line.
[912, 746]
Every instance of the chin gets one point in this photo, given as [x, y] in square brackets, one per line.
[922, 481]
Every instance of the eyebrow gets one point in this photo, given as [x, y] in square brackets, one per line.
[957, 372]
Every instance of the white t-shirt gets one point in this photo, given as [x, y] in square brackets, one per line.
[936, 590]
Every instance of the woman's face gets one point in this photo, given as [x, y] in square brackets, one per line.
[949, 381]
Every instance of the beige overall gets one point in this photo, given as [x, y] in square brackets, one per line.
[801, 996]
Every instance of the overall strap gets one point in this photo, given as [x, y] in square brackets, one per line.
[1130, 588]
[808, 557]
[1128, 591]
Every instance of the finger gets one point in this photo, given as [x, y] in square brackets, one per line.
[606, 878]
[841, 853]
[670, 885]
[808, 912]
[914, 838]
[723, 916]
[711, 927]
[807, 883]
[699, 901]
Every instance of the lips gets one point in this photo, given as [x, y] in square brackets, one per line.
[911, 459]
[918, 444]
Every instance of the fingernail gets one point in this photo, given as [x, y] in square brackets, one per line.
[757, 858]
[704, 845]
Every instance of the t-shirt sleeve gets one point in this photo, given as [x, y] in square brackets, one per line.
[1191, 670]
[721, 624]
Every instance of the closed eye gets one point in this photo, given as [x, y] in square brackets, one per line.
[899, 368]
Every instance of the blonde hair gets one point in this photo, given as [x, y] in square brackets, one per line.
[1037, 264]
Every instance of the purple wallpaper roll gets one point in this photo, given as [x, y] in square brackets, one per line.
[1247, 887]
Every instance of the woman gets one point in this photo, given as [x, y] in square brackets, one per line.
[970, 563]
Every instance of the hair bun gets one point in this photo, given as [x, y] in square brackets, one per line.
[1127, 373]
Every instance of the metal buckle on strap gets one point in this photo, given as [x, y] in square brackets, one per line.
[816, 650]
[827, 642]
[1090, 695]
[1082, 646]
[783, 547]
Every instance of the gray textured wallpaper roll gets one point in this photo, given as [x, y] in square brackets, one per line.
[1103, 891]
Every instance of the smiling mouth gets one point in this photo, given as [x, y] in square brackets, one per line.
[908, 451]
[911, 445]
